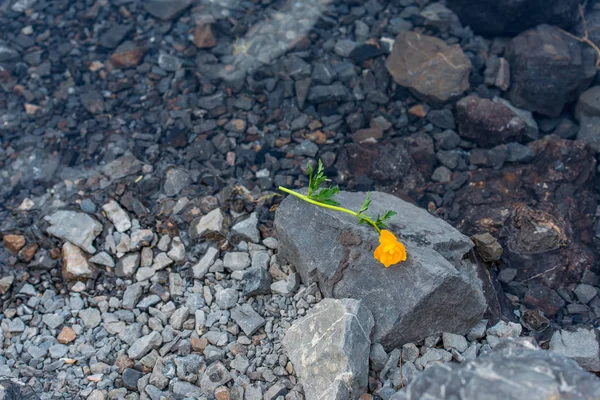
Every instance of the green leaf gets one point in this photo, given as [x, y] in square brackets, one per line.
[326, 196]
[380, 219]
[366, 203]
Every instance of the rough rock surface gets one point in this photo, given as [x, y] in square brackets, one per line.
[432, 292]
[487, 123]
[429, 67]
[548, 70]
[78, 228]
[13, 389]
[509, 17]
[581, 346]
[330, 348]
[536, 235]
[515, 370]
[75, 266]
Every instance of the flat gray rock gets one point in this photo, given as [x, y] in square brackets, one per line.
[434, 291]
[581, 346]
[330, 348]
[516, 370]
[76, 227]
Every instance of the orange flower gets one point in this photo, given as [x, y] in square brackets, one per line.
[390, 251]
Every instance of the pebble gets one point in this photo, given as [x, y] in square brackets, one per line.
[226, 298]
[117, 216]
[236, 261]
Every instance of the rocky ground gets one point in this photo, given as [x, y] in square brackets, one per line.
[141, 144]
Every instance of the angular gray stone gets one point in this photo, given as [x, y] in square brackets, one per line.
[248, 319]
[247, 229]
[201, 268]
[91, 317]
[53, 321]
[131, 296]
[177, 252]
[117, 216]
[143, 345]
[330, 348]
[589, 132]
[581, 346]
[140, 238]
[585, 293]
[176, 179]
[514, 371]
[127, 265]
[456, 342]
[76, 227]
[214, 376]
[123, 166]
[236, 260]
[75, 265]
[226, 298]
[103, 258]
[209, 226]
[434, 291]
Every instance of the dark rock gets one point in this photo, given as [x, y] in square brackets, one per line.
[508, 373]
[447, 140]
[13, 389]
[519, 153]
[589, 132]
[257, 281]
[443, 119]
[429, 67]
[330, 348]
[365, 52]
[322, 93]
[166, 9]
[534, 320]
[589, 103]
[302, 87]
[487, 123]
[175, 181]
[323, 74]
[544, 299]
[548, 70]
[131, 378]
[553, 230]
[114, 35]
[92, 100]
[204, 36]
[510, 17]
[434, 248]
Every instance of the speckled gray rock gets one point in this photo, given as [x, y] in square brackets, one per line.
[247, 229]
[201, 267]
[78, 228]
[516, 370]
[143, 345]
[581, 346]
[330, 348]
[117, 216]
[13, 389]
[434, 291]
[248, 319]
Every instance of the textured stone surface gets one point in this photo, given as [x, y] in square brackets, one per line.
[166, 9]
[330, 348]
[75, 265]
[515, 370]
[432, 292]
[78, 228]
[509, 17]
[548, 70]
[429, 67]
[13, 389]
[487, 123]
[581, 346]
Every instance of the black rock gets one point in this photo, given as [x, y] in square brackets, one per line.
[323, 94]
[114, 35]
[443, 119]
[166, 9]
[257, 281]
[364, 52]
[509, 17]
[548, 70]
[131, 377]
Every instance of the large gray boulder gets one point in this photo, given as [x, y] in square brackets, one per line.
[581, 346]
[330, 348]
[516, 370]
[434, 291]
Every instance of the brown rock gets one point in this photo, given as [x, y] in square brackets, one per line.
[487, 123]
[123, 362]
[75, 265]
[14, 243]
[222, 393]
[204, 36]
[66, 335]
[128, 55]
[429, 67]
[199, 344]
[487, 246]
[418, 110]
[28, 252]
[368, 135]
[544, 299]
[540, 211]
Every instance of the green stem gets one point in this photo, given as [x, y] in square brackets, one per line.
[344, 210]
